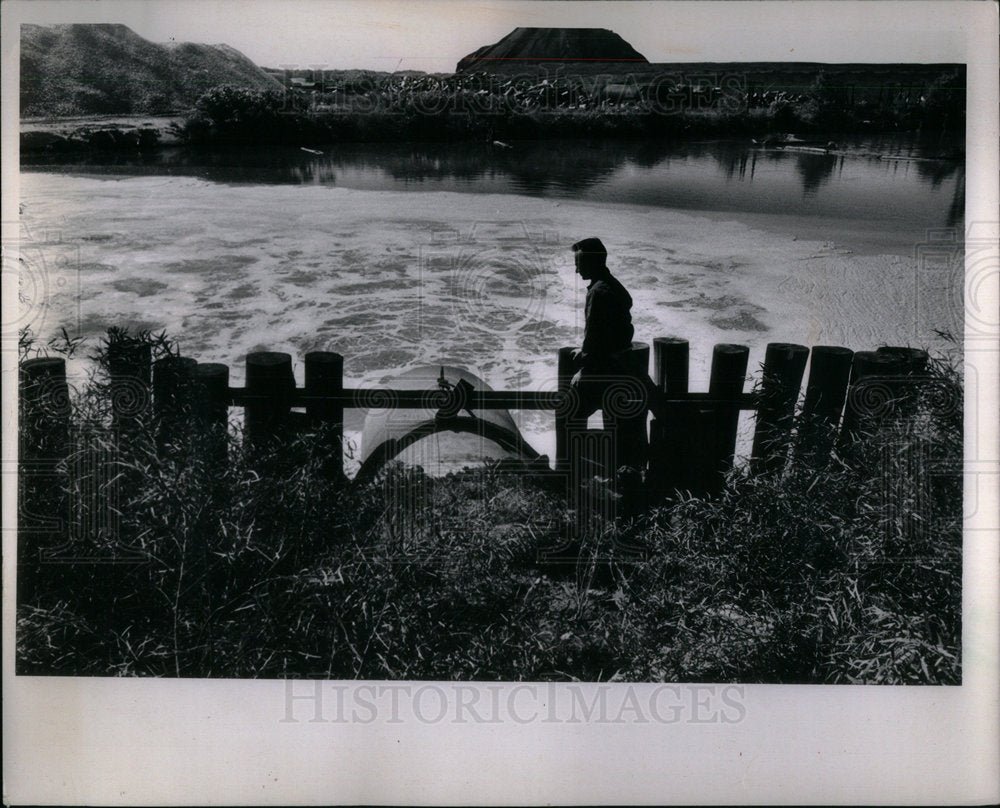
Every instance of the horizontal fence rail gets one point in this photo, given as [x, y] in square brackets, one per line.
[688, 445]
[384, 397]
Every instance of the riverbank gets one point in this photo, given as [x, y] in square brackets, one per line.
[100, 132]
[326, 127]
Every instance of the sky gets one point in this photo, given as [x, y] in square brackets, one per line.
[432, 35]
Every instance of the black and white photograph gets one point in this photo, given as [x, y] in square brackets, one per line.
[539, 364]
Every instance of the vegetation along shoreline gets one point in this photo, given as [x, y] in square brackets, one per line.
[496, 109]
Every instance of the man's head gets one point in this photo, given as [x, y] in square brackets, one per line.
[590, 257]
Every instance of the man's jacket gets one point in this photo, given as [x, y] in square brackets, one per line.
[608, 328]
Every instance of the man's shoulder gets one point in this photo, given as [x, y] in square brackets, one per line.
[609, 285]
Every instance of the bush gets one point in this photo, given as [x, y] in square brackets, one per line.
[227, 113]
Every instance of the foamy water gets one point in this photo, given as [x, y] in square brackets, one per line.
[392, 280]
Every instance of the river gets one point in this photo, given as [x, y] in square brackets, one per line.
[399, 255]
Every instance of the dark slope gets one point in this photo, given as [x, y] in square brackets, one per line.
[533, 46]
[91, 69]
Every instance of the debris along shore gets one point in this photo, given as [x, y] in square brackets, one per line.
[94, 132]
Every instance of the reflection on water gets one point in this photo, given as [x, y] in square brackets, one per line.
[815, 169]
[872, 184]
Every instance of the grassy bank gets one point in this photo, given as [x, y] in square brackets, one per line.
[846, 570]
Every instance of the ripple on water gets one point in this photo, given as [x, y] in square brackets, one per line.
[711, 303]
[375, 286]
[97, 323]
[301, 277]
[743, 321]
[220, 266]
[93, 266]
[142, 287]
[379, 360]
[243, 291]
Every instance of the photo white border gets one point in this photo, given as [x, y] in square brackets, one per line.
[146, 741]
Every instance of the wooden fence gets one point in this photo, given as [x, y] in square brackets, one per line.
[690, 447]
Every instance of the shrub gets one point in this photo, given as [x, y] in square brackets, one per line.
[227, 112]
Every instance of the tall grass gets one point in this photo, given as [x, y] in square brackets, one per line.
[845, 570]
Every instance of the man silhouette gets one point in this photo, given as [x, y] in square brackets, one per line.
[608, 326]
[607, 331]
[602, 360]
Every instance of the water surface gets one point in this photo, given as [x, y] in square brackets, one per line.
[871, 195]
[404, 255]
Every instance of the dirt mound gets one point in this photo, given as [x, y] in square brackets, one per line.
[527, 47]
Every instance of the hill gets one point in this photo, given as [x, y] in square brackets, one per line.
[528, 47]
[108, 69]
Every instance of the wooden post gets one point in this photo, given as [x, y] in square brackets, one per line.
[211, 392]
[784, 364]
[668, 439]
[625, 412]
[906, 387]
[129, 364]
[269, 386]
[670, 359]
[870, 395]
[566, 369]
[829, 373]
[44, 441]
[45, 408]
[591, 454]
[910, 477]
[130, 358]
[913, 360]
[325, 378]
[622, 416]
[729, 368]
[172, 397]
